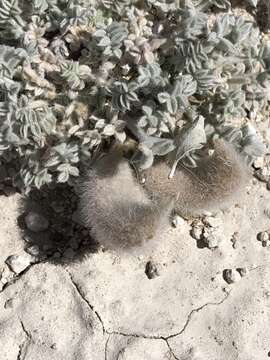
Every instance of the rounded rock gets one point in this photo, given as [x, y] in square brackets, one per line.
[231, 276]
[265, 243]
[151, 270]
[196, 232]
[212, 242]
[36, 222]
[33, 250]
[262, 174]
[178, 221]
[259, 162]
[263, 236]
[17, 263]
[242, 271]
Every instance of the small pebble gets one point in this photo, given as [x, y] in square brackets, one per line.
[242, 271]
[212, 242]
[262, 174]
[265, 243]
[6, 275]
[33, 250]
[196, 232]
[234, 239]
[263, 236]
[212, 237]
[18, 263]
[231, 276]
[151, 270]
[27, 238]
[8, 304]
[178, 221]
[36, 222]
[143, 180]
[259, 162]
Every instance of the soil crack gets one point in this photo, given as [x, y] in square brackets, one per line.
[24, 346]
[134, 335]
[82, 296]
[195, 311]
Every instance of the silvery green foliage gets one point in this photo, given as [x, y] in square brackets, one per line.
[254, 3]
[190, 138]
[247, 139]
[75, 74]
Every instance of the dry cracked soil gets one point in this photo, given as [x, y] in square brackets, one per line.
[208, 302]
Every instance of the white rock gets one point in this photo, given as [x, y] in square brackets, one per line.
[263, 236]
[33, 250]
[243, 271]
[212, 236]
[212, 221]
[231, 276]
[259, 162]
[143, 180]
[178, 221]
[6, 275]
[262, 174]
[18, 263]
[196, 232]
[36, 222]
[212, 241]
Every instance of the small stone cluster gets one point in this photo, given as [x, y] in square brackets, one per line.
[53, 231]
[234, 275]
[264, 238]
[208, 231]
[262, 171]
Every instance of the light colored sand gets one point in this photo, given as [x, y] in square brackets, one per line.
[105, 307]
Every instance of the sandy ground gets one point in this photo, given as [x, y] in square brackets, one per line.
[206, 300]
[104, 307]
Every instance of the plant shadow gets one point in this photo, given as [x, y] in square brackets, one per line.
[65, 240]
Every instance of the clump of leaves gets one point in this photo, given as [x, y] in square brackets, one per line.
[75, 75]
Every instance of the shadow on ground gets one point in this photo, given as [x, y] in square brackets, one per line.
[65, 240]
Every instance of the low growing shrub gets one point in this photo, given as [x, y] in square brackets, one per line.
[77, 74]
